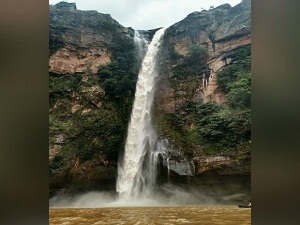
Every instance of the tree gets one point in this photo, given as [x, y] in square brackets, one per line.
[239, 94]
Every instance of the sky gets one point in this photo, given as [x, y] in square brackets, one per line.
[147, 14]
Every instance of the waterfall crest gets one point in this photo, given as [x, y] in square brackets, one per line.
[141, 45]
[136, 172]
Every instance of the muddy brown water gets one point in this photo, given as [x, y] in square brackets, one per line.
[201, 215]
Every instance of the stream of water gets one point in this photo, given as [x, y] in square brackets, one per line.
[136, 171]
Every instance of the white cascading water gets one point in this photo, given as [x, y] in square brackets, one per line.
[137, 169]
[141, 45]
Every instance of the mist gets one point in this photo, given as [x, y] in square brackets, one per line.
[165, 195]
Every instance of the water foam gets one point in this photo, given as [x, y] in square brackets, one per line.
[136, 174]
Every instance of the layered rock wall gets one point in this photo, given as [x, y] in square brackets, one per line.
[79, 40]
[221, 31]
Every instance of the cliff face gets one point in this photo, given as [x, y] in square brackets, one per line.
[219, 34]
[83, 122]
[79, 40]
[221, 31]
[89, 110]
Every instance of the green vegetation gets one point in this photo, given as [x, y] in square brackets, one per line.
[239, 95]
[235, 80]
[119, 77]
[192, 64]
[214, 127]
[187, 74]
[57, 162]
[235, 71]
[174, 56]
[98, 132]
[222, 128]
[93, 115]
[118, 80]
[211, 127]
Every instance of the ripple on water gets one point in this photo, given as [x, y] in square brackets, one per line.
[204, 215]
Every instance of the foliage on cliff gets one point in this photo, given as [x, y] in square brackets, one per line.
[75, 114]
[119, 77]
[187, 73]
[210, 127]
[92, 111]
[235, 79]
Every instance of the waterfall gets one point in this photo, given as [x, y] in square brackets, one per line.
[137, 169]
[141, 45]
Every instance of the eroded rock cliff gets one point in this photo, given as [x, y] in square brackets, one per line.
[215, 39]
[79, 40]
[221, 31]
[89, 110]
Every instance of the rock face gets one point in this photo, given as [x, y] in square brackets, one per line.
[221, 31]
[91, 175]
[222, 165]
[173, 160]
[66, 60]
[176, 163]
[81, 41]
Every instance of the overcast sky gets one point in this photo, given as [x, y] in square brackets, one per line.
[147, 14]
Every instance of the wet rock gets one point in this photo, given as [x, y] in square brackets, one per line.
[173, 160]
[60, 139]
[222, 165]
[183, 167]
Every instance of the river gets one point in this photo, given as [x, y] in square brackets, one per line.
[200, 215]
